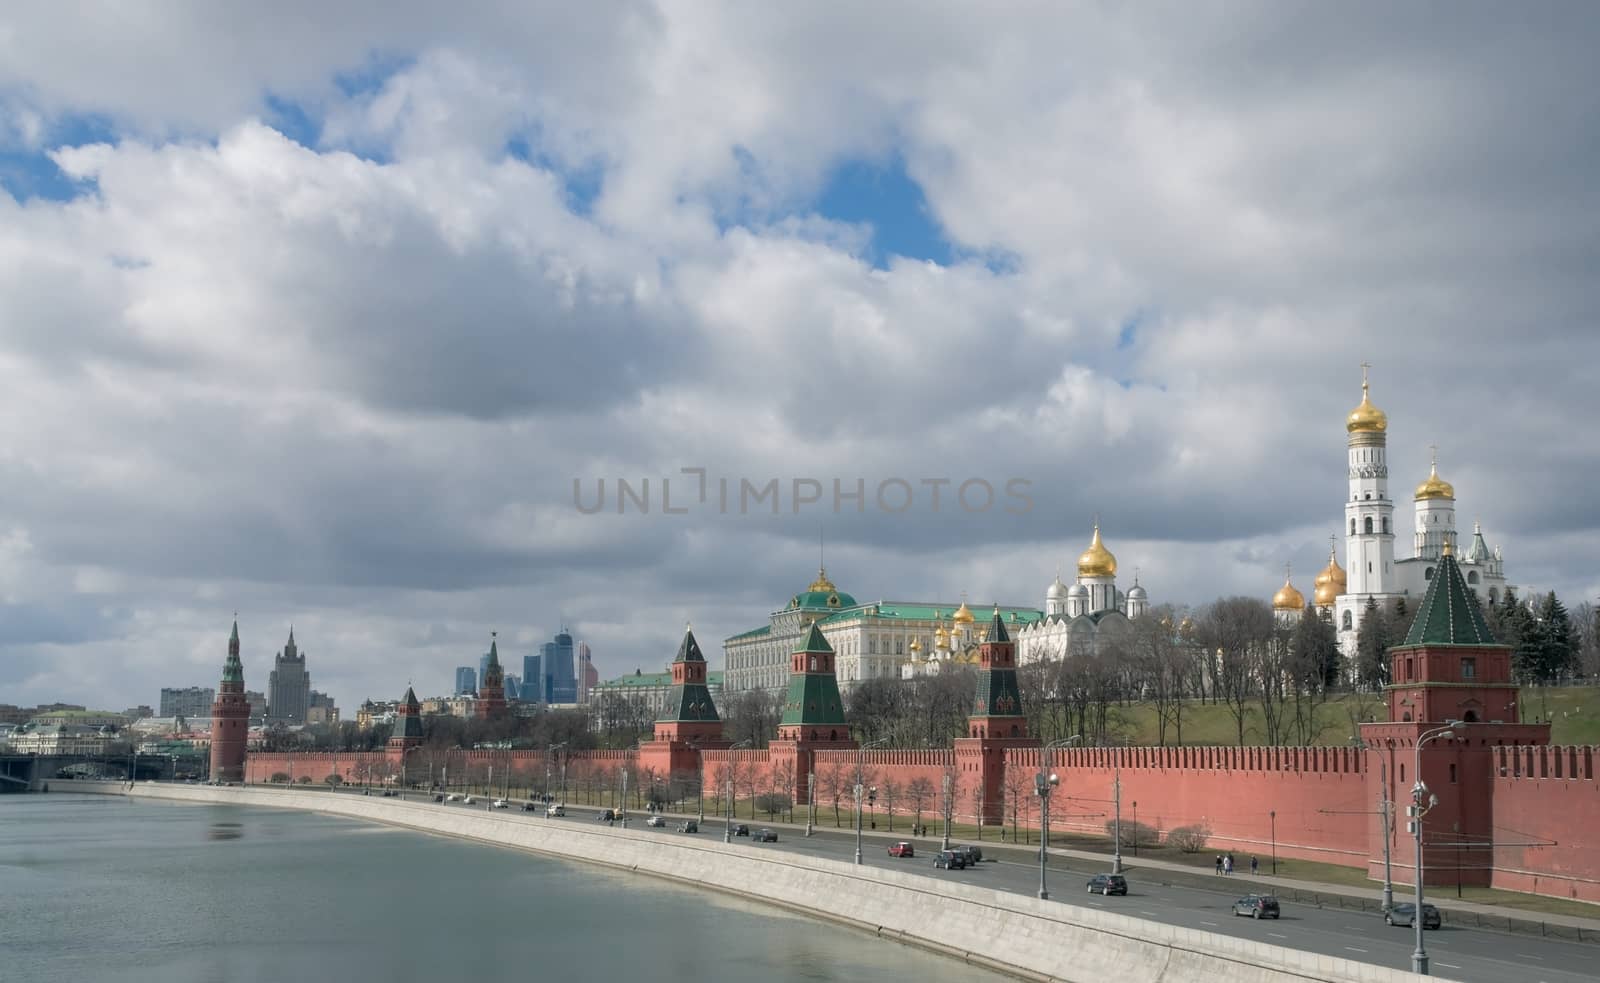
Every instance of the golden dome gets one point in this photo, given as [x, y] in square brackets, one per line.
[963, 615]
[1097, 561]
[1366, 418]
[916, 646]
[939, 632]
[1330, 583]
[822, 584]
[1435, 487]
[1287, 598]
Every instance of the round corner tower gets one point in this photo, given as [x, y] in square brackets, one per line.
[230, 718]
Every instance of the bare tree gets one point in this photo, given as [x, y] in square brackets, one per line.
[783, 779]
[1238, 629]
[751, 715]
[1018, 789]
[920, 794]
[832, 782]
[890, 791]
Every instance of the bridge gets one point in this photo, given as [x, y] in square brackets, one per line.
[34, 772]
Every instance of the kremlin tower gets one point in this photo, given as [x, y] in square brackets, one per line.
[230, 718]
[492, 687]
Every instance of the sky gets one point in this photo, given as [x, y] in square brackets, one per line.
[336, 316]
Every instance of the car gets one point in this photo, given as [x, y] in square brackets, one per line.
[688, 826]
[438, 796]
[389, 793]
[366, 791]
[529, 807]
[971, 854]
[453, 797]
[1257, 906]
[741, 830]
[1405, 913]
[606, 816]
[1108, 884]
[902, 849]
[656, 821]
[469, 800]
[765, 836]
[949, 860]
[501, 804]
[556, 811]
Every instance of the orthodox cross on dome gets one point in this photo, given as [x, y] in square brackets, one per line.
[1364, 367]
[1433, 455]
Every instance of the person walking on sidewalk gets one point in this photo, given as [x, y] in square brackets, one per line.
[1227, 865]
[1219, 863]
[1254, 866]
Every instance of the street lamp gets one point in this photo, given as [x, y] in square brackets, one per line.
[861, 749]
[1419, 794]
[1043, 784]
[1136, 828]
[1272, 814]
[1386, 812]
[811, 796]
[1116, 828]
[552, 749]
[727, 832]
[404, 754]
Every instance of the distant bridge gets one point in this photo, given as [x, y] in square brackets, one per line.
[33, 772]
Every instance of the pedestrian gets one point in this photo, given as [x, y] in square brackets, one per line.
[1219, 863]
[1254, 866]
[1227, 865]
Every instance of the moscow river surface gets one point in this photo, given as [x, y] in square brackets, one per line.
[102, 888]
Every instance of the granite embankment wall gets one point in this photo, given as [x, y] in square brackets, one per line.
[1022, 935]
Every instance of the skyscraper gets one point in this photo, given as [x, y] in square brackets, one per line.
[513, 687]
[582, 671]
[533, 680]
[561, 683]
[466, 680]
[289, 686]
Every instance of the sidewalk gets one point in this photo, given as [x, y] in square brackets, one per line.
[1571, 928]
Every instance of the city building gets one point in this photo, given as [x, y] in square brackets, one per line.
[466, 681]
[533, 680]
[1076, 616]
[78, 717]
[584, 672]
[642, 695]
[320, 709]
[561, 682]
[591, 679]
[289, 686]
[61, 739]
[869, 641]
[190, 701]
[513, 688]
[134, 713]
[1371, 570]
[258, 706]
[230, 717]
[370, 714]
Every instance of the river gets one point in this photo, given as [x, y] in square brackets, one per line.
[104, 888]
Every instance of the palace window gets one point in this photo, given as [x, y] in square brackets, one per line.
[1427, 574]
[1369, 524]
[1346, 621]
[1472, 577]
[1469, 668]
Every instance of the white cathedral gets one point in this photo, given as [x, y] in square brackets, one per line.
[1076, 616]
[1371, 570]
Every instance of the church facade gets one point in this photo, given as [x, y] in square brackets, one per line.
[1076, 617]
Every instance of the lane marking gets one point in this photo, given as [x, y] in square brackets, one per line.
[1277, 936]
[1149, 914]
[1524, 955]
[1212, 924]
[1354, 949]
[1447, 965]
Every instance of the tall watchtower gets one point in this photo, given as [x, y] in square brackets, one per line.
[996, 722]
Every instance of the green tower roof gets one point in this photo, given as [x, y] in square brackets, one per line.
[1449, 613]
[689, 649]
[813, 641]
[813, 697]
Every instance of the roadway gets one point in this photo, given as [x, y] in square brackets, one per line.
[1470, 955]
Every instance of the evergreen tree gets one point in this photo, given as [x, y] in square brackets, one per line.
[1556, 641]
[1515, 626]
[1373, 639]
[1402, 620]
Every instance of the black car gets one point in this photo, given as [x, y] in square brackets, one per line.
[1257, 906]
[741, 830]
[765, 836]
[438, 796]
[949, 860]
[1108, 884]
[529, 807]
[689, 826]
[1405, 913]
[606, 816]
[970, 854]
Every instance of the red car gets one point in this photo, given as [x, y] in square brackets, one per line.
[902, 849]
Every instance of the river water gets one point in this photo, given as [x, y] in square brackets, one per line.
[103, 888]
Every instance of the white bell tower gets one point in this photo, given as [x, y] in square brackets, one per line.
[1369, 512]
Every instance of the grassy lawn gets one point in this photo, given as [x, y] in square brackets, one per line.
[1574, 712]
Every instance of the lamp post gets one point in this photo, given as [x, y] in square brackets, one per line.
[727, 832]
[1386, 813]
[811, 797]
[1419, 792]
[1136, 828]
[552, 749]
[403, 755]
[1272, 814]
[1043, 784]
[1116, 821]
[949, 779]
[861, 750]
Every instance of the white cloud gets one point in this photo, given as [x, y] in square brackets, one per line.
[349, 384]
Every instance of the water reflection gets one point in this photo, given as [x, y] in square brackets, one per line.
[225, 831]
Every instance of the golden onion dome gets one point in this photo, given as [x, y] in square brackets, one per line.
[963, 615]
[822, 584]
[916, 646]
[1435, 487]
[1330, 583]
[1366, 418]
[939, 632]
[1287, 598]
[1097, 561]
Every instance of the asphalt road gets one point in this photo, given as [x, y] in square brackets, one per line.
[1467, 954]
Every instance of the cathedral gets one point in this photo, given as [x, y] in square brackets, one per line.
[1075, 616]
[1371, 569]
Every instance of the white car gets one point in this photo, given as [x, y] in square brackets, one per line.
[656, 821]
[501, 804]
[452, 797]
[469, 800]
[556, 811]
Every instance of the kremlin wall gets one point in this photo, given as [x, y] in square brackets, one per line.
[1513, 812]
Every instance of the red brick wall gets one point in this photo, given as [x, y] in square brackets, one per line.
[1545, 803]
